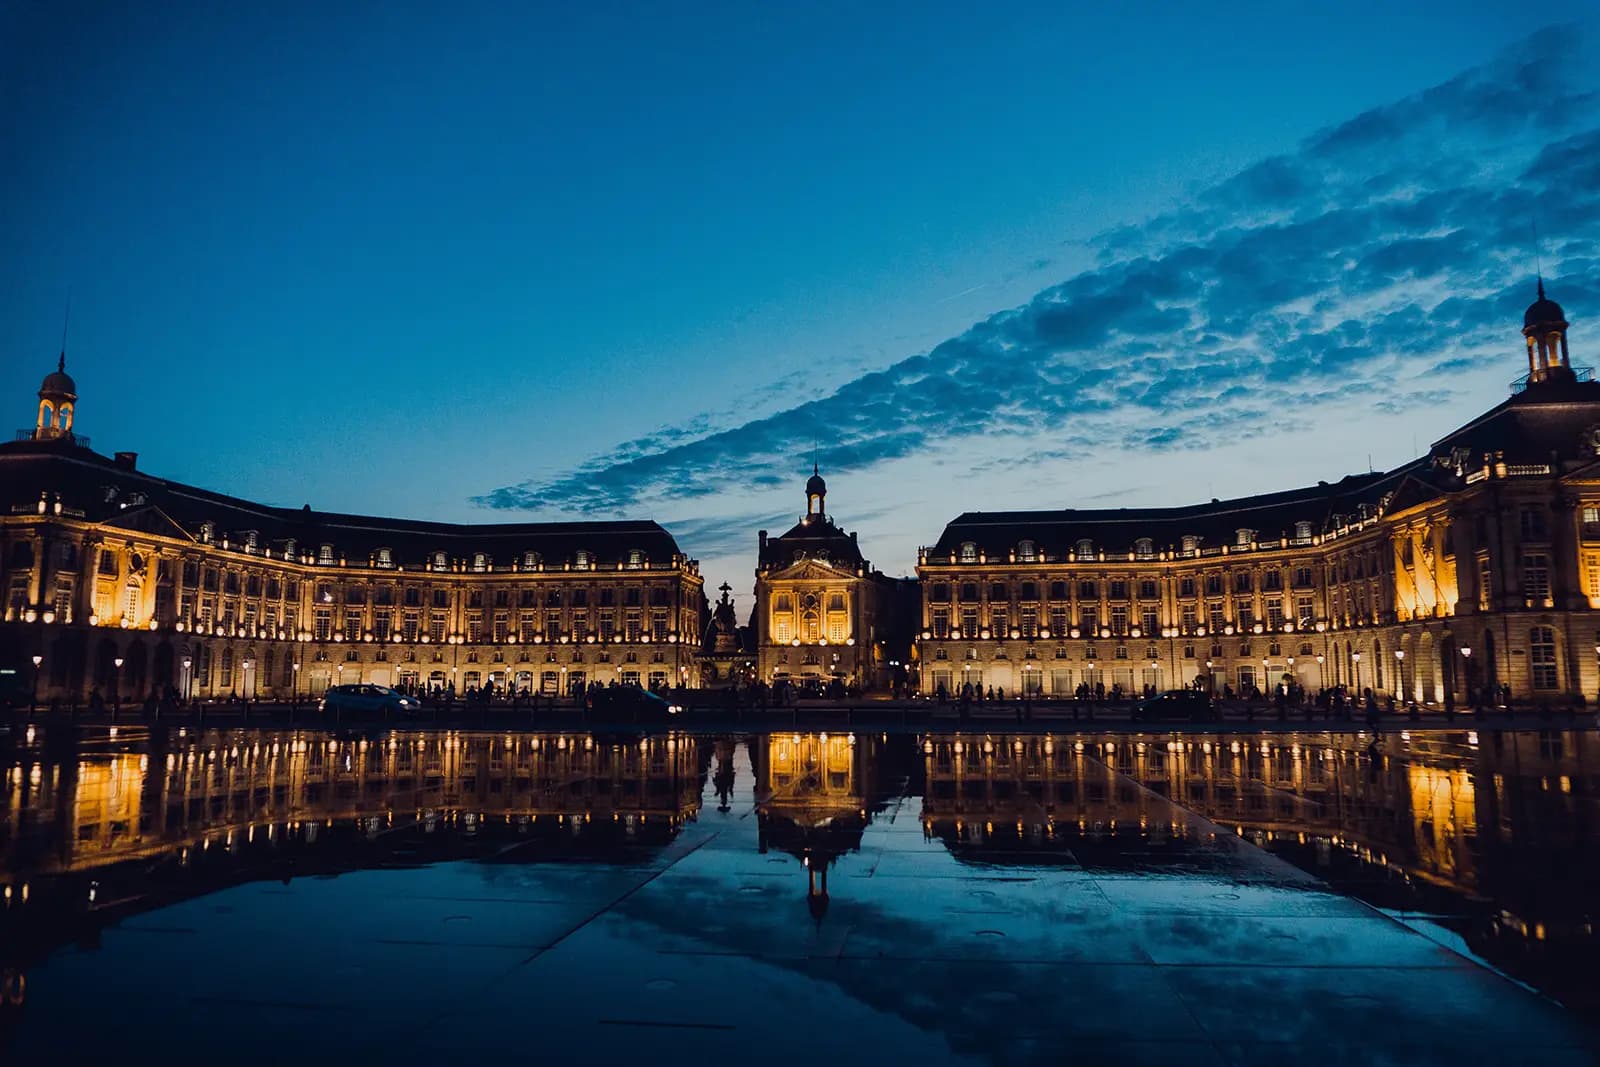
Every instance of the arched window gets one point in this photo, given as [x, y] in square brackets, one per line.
[581, 558]
[1085, 549]
[1302, 531]
[208, 530]
[530, 560]
[1027, 551]
[324, 554]
[385, 558]
[635, 559]
[1191, 544]
[66, 417]
[480, 561]
[440, 561]
[969, 552]
[1243, 537]
[810, 627]
[1144, 548]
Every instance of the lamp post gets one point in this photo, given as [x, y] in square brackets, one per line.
[1320, 684]
[188, 678]
[1400, 672]
[1472, 689]
[32, 707]
[294, 685]
[116, 687]
[1355, 659]
[1211, 680]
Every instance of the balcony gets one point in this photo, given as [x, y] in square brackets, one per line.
[1584, 374]
[81, 440]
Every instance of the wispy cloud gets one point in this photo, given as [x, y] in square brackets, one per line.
[1381, 255]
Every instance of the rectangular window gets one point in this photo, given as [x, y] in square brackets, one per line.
[323, 625]
[1058, 622]
[1302, 577]
[1591, 577]
[474, 627]
[1119, 589]
[1191, 619]
[997, 621]
[658, 627]
[1089, 621]
[1542, 657]
[1150, 621]
[1244, 614]
[1186, 587]
[436, 626]
[1535, 579]
[353, 621]
[1028, 622]
[1119, 620]
[631, 627]
[1216, 617]
[1304, 612]
[1532, 522]
[410, 625]
[382, 620]
[1275, 613]
[941, 622]
[502, 627]
[969, 622]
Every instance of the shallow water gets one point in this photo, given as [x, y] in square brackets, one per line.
[950, 897]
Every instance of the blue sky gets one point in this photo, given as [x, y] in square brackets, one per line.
[643, 261]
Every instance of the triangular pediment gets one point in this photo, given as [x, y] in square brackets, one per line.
[147, 519]
[811, 569]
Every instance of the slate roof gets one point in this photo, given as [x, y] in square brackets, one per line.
[104, 490]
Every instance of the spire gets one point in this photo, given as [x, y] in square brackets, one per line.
[1541, 286]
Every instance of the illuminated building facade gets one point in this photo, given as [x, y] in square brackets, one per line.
[823, 613]
[1472, 568]
[124, 584]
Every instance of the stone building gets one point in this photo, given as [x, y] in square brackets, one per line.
[123, 583]
[823, 613]
[1471, 568]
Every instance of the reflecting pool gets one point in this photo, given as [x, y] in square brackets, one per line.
[271, 896]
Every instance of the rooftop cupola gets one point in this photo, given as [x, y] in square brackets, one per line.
[1544, 325]
[58, 399]
[816, 492]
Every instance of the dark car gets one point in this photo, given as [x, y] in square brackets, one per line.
[632, 704]
[1176, 705]
[368, 698]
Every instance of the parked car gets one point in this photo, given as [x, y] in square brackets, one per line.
[1184, 705]
[360, 699]
[631, 703]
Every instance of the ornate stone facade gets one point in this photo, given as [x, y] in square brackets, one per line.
[1472, 568]
[123, 584]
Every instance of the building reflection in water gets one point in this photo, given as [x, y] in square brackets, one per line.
[90, 834]
[1496, 835]
[1498, 832]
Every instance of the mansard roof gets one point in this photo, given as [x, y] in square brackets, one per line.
[812, 540]
[1117, 530]
[105, 491]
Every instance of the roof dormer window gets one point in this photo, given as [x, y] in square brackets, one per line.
[1191, 544]
[325, 555]
[480, 561]
[582, 558]
[530, 560]
[385, 558]
[1085, 550]
[1027, 551]
[440, 561]
[635, 559]
[969, 552]
[1144, 548]
[208, 530]
[1302, 531]
[1243, 537]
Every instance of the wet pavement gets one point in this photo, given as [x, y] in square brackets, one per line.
[273, 896]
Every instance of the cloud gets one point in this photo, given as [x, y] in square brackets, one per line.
[1381, 255]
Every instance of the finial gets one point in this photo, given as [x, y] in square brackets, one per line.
[1541, 287]
[816, 472]
[66, 317]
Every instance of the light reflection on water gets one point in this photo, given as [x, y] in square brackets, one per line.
[1490, 840]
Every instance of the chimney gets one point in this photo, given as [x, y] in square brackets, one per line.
[762, 534]
[126, 460]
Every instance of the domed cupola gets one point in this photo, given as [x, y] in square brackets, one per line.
[816, 492]
[58, 400]
[1544, 325]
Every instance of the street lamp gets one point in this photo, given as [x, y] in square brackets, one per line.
[35, 704]
[1355, 658]
[116, 686]
[251, 674]
[188, 679]
[1466, 658]
[1320, 684]
[1400, 672]
[294, 684]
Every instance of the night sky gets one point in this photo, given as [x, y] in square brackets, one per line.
[648, 262]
